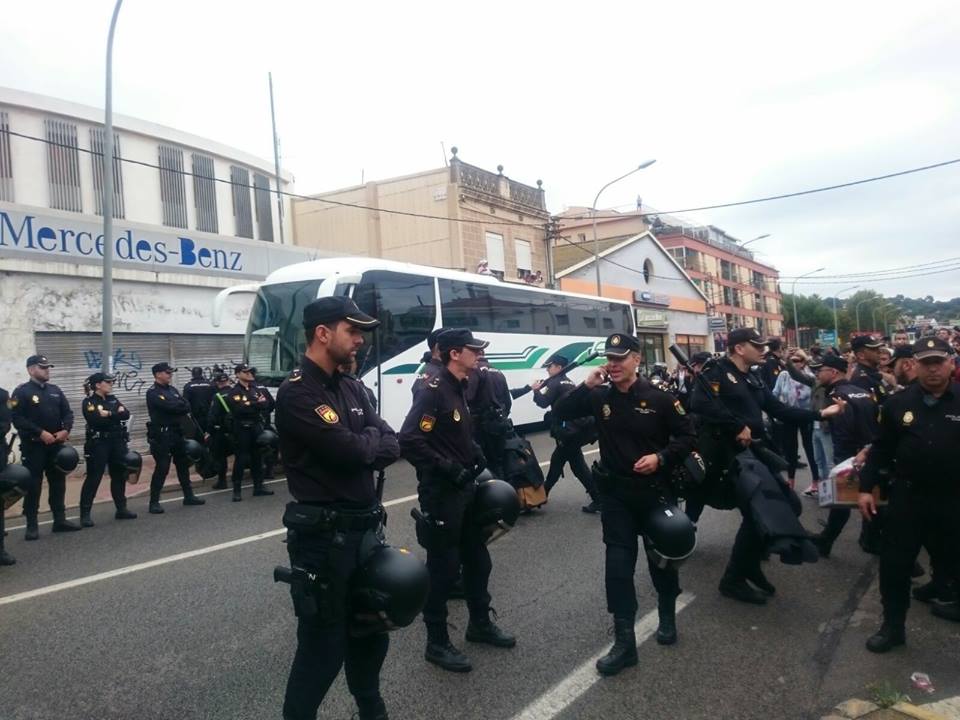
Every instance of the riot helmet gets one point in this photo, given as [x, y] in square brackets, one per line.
[669, 535]
[13, 481]
[66, 459]
[495, 509]
[193, 449]
[268, 439]
[387, 591]
[132, 464]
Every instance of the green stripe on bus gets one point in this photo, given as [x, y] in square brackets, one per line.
[404, 369]
[530, 362]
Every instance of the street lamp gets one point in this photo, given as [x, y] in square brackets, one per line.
[894, 309]
[836, 331]
[873, 313]
[793, 292]
[865, 300]
[106, 312]
[759, 237]
[593, 214]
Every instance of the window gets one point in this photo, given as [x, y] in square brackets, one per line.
[651, 350]
[261, 202]
[6, 160]
[275, 338]
[404, 304]
[495, 259]
[582, 237]
[692, 344]
[524, 260]
[204, 193]
[242, 214]
[98, 144]
[173, 197]
[726, 270]
[63, 164]
[647, 270]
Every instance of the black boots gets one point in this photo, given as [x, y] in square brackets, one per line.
[61, 524]
[667, 612]
[737, 589]
[886, 638]
[593, 507]
[442, 653]
[85, 519]
[155, 507]
[33, 529]
[221, 483]
[259, 490]
[488, 633]
[374, 709]
[123, 514]
[624, 651]
[190, 499]
[759, 580]
[237, 497]
[6, 558]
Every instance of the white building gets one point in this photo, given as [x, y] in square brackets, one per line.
[191, 218]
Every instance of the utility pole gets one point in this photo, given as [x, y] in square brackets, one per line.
[276, 157]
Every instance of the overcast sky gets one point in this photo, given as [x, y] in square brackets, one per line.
[734, 100]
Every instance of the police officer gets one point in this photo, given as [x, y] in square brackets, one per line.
[270, 453]
[247, 404]
[437, 439]
[167, 409]
[568, 434]
[198, 392]
[331, 444]
[731, 418]
[643, 433]
[919, 435]
[42, 416]
[866, 370]
[489, 401]
[219, 430]
[5, 422]
[106, 444]
[431, 361]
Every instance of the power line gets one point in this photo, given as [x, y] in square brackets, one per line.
[854, 276]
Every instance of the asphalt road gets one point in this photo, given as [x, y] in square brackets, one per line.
[176, 616]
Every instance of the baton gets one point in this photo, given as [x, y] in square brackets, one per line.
[590, 356]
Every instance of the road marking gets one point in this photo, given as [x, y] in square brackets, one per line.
[558, 698]
[79, 582]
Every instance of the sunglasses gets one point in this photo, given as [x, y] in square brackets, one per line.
[797, 361]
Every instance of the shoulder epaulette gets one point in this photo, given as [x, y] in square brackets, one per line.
[296, 375]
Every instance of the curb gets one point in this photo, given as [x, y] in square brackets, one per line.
[863, 710]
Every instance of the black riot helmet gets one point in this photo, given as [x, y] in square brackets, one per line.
[387, 591]
[691, 473]
[670, 536]
[194, 450]
[268, 439]
[484, 475]
[66, 459]
[495, 509]
[14, 479]
[132, 464]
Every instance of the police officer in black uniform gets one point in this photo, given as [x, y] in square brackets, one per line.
[431, 360]
[866, 371]
[437, 439]
[568, 434]
[106, 443]
[219, 427]
[269, 453]
[731, 418]
[917, 446]
[331, 444]
[42, 416]
[247, 404]
[643, 433]
[5, 424]
[167, 409]
[198, 392]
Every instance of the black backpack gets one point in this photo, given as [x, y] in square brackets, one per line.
[520, 465]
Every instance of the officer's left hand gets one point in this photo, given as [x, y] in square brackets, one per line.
[647, 465]
[536, 385]
[61, 436]
[867, 505]
[838, 407]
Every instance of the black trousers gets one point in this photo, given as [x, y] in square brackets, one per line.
[164, 446]
[105, 454]
[460, 545]
[572, 454]
[788, 441]
[38, 459]
[747, 553]
[624, 518]
[324, 645]
[246, 454]
[915, 519]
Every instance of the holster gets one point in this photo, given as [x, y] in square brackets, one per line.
[432, 533]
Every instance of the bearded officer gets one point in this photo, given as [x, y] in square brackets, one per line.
[917, 447]
[331, 442]
[437, 439]
[643, 433]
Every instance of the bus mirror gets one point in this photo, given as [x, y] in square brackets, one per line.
[221, 299]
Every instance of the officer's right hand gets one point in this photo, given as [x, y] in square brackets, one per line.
[867, 505]
[104, 413]
[47, 438]
[536, 385]
[596, 378]
[744, 437]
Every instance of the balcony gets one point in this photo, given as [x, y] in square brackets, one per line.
[497, 187]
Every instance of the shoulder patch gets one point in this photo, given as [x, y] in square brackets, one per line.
[13, 402]
[327, 414]
[715, 386]
[90, 407]
[427, 422]
[435, 383]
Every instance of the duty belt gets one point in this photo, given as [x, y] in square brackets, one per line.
[334, 518]
[106, 434]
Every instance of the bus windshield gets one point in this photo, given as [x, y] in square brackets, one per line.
[275, 338]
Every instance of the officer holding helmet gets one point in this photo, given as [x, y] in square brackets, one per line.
[247, 405]
[919, 435]
[644, 432]
[437, 439]
[42, 416]
[106, 420]
[332, 442]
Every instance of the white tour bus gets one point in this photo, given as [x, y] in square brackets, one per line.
[525, 325]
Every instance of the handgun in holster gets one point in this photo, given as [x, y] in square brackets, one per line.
[431, 532]
[310, 591]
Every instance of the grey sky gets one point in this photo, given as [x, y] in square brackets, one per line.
[734, 100]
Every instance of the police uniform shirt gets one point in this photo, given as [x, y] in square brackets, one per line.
[438, 430]
[198, 394]
[553, 390]
[431, 369]
[219, 408]
[36, 407]
[93, 404]
[740, 399]
[641, 421]
[770, 369]
[858, 425]
[269, 403]
[918, 441]
[331, 439]
[487, 389]
[247, 404]
[870, 380]
[166, 405]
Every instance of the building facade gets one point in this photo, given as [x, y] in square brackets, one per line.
[453, 217]
[191, 217]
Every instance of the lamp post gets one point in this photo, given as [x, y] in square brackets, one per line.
[865, 300]
[793, 292]
[759, 237]
[106, 312]
[836, 330]
[593, 214]
[894, 309]
[873, 315]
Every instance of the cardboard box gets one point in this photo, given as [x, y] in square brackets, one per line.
[842, 488]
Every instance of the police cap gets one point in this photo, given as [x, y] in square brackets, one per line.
[244, 367]
[700, 358]
[865, 341]
[459, 338]
[434, 335]
[40, 360]
[99, 377]
[620, 345]
[556, 359]
[834, 361]
[902, 352]
[745, 335]
[327, 310]
[931, 347]
[163, 367]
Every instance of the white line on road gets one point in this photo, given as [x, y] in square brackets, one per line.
[8, 599]
[558, 698]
